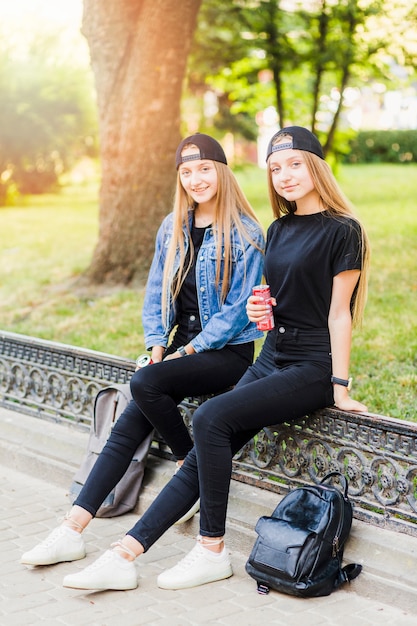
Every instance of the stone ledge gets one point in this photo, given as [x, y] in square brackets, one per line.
[53, 452]
[59, 382]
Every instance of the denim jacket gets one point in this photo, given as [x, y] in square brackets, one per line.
[221, 324]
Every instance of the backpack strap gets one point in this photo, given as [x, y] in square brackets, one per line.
[262, 588]
[347, 573]
[341, 477]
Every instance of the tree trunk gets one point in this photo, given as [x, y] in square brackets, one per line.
[274, 45]
[351, 23]
[138, 51]
[323, 27]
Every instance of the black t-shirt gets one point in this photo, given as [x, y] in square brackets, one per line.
[187, 303]
[188, 316]
[303, 254]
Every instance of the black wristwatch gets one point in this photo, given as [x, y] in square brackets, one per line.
[182, 351]
[342, 381]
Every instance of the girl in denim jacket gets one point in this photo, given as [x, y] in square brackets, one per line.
[208, 256]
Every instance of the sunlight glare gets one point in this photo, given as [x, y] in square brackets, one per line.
[22, 20]
[65, 12]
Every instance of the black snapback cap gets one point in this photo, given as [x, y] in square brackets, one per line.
[208, 147]
[302, 139]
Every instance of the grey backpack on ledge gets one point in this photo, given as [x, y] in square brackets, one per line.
[109, 404]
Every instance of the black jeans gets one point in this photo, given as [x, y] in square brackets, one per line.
[157, 390]
[290, 378]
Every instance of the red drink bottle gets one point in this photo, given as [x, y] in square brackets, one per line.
[264, 292]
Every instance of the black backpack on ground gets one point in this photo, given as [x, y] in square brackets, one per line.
[299, 549]
[109, 404]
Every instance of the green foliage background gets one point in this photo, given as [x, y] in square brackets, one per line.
[48, 118]
[383, 146]
[46, 243]
[48, 122]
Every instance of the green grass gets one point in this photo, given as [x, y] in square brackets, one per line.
[385, 350]
[47, 241]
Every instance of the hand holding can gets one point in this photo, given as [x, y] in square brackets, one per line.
[264, 292]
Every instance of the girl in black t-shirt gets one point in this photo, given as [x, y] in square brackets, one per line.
[316, 264]
[317, 255]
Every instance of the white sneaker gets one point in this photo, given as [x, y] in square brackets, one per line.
[194, 509]
[199, 567]
[110, 571]
[62, 544]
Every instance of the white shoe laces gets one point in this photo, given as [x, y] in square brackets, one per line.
[191, 557]
[120, 546]
[104, 558]
[67, 518]
[57, 533]
[209, 541]
[198, 551]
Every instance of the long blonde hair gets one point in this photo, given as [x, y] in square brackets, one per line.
[231, 205]
[336, 204]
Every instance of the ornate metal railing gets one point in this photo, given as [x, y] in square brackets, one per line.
[378, 454]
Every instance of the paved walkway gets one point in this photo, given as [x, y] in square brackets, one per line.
[30, 508]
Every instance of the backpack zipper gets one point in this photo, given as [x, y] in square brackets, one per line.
[335, 542]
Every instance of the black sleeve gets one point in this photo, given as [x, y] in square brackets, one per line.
[348, 247]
